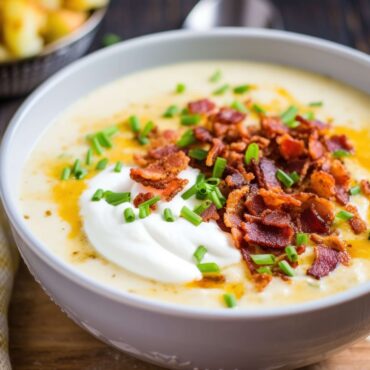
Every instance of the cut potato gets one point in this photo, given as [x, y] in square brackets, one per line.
[22, 26]
[62, 22]
[85, 4]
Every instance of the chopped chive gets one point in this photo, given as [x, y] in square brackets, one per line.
[239, 106]
[190, 119]
[200, 178]
[219, 167]
[284, 178]
[171, 111]
[286, 268]
[202, 207]
[344, 215]
[258, 109]
[110, 131]
[110, 39]
[230, 300]
[291, 253]
[76, 167]
[221, 90]
[97, 148]
[104, 140]
[115, 199]
[293, 124]
[252, 152]
[151, 201]
[191, 216]
[143, 140]
[184, 111]
[190, 192]
[202, 189]
[134, 124]
[263, 259]
[355, 190]
[310, 116]
[168, 215]
[66, 173]
[214, 181]
[341, 153]
[241, 89]
[301, 239]
[215, 199]
[208, 268]
[102, 164]
[289, 115]
[220, 195]
[180, 88]
[129, 215]
[149, 126]
[98, 195]
[198, 154]
[216, 77]
[144, 211]
[118, 167]
[200, 253]
[264, 270]
[294, 176]
[186, 139]
[89, 155]
[316, 104]
[80, 174]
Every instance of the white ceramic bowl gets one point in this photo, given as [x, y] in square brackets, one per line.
[169, 335]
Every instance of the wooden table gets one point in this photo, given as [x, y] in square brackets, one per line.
[41, 336]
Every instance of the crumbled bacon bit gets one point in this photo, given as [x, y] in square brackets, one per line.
[143, 197]
[275, 199]
[268, 172]
[341, 194]
[312, 222]
[289, 147]
[210, 214]
[358, 225]
[255, 204]
[276, 218]
[229, 116]
[234, 207]
[365, 187]
[323, 184]
[214, 152]
[202, 135]
[338, 142]
[315, 148]
[202, 106]
[330, 241]
[273, 126]
[236, 180]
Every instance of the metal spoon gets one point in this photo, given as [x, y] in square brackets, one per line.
[241, 13]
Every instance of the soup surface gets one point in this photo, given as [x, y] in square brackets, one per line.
[82, 211]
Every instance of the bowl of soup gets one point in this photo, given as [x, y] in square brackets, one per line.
[201, 200]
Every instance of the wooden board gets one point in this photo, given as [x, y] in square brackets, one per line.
[43, 338]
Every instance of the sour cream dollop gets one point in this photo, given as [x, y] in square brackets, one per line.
[151, 247]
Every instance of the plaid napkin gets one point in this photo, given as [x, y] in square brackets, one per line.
[8, 267]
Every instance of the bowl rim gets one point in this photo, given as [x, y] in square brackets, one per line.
[91, 23]
[149, 304]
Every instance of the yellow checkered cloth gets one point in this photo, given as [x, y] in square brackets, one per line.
[8, 266]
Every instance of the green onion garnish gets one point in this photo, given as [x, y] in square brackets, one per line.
[190, 119]
[80, 174]
[264, 270]
[355, 190]
[286, 268]
[341, 153]
[129, 215]
[241, 89]
[104, 140]
[284, 178]
[96, 146]
[221, 90]
[200, 178]
[190, 192]
[149, 126]
[98, 195]
[301, 239]
[258, 109]
[115, 199]
[190, 216]
[168, 215]
[252, 152]
[118, 167]
[295, 176]
[293, 124]
[200, 253]
[216, 76]
[219, 167]
[110, 131]
[150, 201]
[202, 207]
[220, 195]
[316, 104]
[215, 199]
[110, 39]
[239, 106]
[263, 259]
[186, 139]
[289, 115]
[89, 155]
[198, 154]
[171, 111]
[291, 253]
[310, 116]
[66, 173]
[76, 167]
[144, 211]
[230, 300]
[134, 124]
[102, 164]
[180, 88]
[344, 215]
[143, 140]
[214, 181]
[208, 268]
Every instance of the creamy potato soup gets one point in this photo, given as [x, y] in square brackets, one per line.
[213, 184]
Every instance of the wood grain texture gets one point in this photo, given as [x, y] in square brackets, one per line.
[41, 336]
